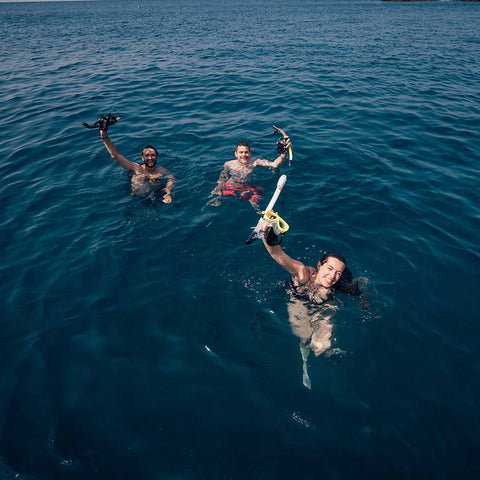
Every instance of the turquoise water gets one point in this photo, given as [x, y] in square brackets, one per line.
[144, 341]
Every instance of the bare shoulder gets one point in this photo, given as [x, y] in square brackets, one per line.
[163, 172]
[136, 168]
[304, 273]
[230, 164]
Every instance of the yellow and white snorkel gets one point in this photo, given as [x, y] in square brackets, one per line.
[281, 144]
[264, 219]
[277, 228]
[276, 222]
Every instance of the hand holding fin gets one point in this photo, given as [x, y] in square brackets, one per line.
[103, 122]
[281, 144]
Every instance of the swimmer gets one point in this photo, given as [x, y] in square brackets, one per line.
[309, 310]
[244, 164]
[233, 180]
[147, 178]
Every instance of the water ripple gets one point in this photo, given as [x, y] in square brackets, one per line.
[110, 302]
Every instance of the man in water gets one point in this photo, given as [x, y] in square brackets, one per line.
[234, 178]
[147, 178]
[308, 311]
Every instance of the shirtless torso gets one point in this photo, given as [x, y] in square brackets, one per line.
[147, 178]
[146, 182]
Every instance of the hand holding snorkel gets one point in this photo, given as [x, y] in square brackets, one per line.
[283, 144]
[270, 218]
[274, 228]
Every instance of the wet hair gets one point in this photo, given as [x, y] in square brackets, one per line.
[243, 143]
[336, 255]
[149, 146]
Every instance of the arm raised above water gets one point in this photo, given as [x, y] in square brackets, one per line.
[295, 267]
[278, 161]
[115, 154]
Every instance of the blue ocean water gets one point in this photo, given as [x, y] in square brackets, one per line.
[147, 341]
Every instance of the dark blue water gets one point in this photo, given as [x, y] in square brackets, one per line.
[144, 341]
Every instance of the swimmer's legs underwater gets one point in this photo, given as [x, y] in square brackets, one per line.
[216, 199]
[320, 340]
[305, 352]
[299, 318]
[313, 330]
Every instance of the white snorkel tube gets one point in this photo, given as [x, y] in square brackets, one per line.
[257, 232]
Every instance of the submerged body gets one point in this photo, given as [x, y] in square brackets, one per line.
[144, 184]
[315, 286]
[311, 323]
[310, 310]
[308, 321]
[245, 191]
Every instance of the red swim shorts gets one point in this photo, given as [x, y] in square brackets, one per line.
[240, 190]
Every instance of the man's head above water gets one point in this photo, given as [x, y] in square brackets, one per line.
[149, 156]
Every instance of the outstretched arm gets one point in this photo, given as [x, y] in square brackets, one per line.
[167, 198]
[296, 268]
[278, 161]
[115, 154]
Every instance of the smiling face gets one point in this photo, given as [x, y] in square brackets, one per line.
[149, 157]
[329, 272]
[243, 154]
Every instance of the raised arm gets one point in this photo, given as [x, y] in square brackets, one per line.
[296, 268]
[278, 161]
[115, 154]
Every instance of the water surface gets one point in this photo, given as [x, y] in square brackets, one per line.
[148, 341]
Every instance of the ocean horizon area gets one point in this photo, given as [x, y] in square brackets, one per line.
[146, 340]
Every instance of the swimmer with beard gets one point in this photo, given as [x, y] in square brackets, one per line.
[147, 178]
